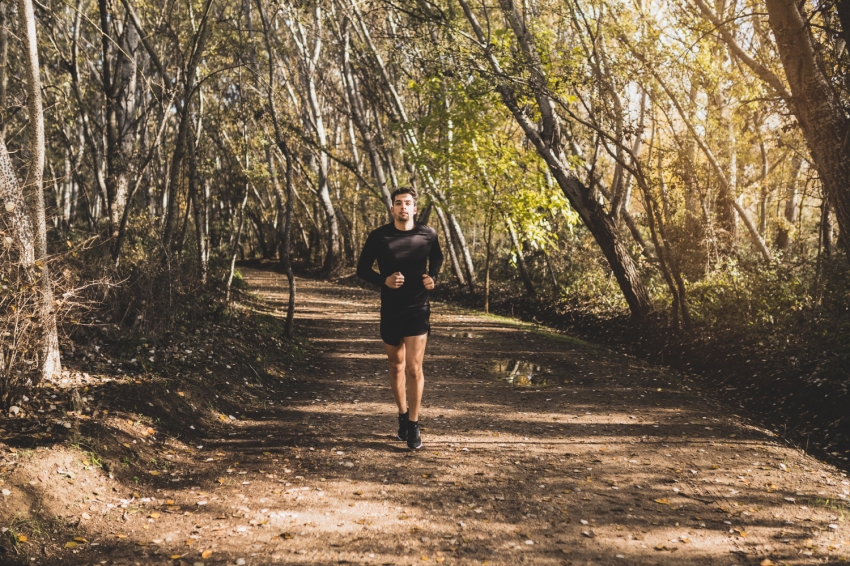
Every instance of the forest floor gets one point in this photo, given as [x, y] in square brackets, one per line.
[538, 448]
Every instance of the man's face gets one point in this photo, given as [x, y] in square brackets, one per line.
[404, 207]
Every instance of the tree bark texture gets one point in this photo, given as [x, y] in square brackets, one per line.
[51, 362]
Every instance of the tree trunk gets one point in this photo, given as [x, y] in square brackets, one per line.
[487, 260]
[520, 258]
[51, 362]
[237, 247]
[286, 260]
[16, 212]
[120, 74]
[447, 234]
[811, 98]
[190, 76]
[547, 140]
[358, 116]
[464, 251]
[783, 237]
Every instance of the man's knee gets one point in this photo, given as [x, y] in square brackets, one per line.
[414, 370]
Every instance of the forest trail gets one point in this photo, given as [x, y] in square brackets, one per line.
[595, 459]
[598, 459]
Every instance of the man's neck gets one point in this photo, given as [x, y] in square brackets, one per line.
[404, 226]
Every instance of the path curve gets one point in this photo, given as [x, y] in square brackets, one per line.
[599, 459]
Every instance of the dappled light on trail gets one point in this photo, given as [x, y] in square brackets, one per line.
[597, 459]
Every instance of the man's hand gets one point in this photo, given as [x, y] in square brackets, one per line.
[395, 280]
[427, 281]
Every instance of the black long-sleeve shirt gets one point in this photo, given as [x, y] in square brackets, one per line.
[406, 252]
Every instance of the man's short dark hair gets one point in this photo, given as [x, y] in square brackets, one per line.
[403, 191]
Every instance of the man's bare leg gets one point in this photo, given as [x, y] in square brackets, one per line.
[414, 347]
[396, 358]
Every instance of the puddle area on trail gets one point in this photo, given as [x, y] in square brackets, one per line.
[465, 335]
[522, 374]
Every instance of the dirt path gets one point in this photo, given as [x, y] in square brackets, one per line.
[597, 459]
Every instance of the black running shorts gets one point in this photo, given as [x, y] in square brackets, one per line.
[395, 328]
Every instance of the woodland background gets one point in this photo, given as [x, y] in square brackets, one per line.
[668, 176]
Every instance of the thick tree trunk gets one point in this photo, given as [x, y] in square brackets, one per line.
[51, 362]
[819, 112]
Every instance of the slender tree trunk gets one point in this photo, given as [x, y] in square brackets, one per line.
[547, 140]
[175, 167]
[286, 259]
[520, 258]
[464, 251]
[237, 244]
[487, 259]
[783, 237]
[51, 362]
[197, 205]
[826, 228]
[447, 234]
[358, 116]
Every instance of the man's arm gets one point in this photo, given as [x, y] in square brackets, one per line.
[367, 260]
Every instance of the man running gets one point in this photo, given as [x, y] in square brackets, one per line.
[402, 249]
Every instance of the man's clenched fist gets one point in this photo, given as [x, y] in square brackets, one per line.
[395, 280]
[427, 281]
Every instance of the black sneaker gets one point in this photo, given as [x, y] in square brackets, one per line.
[402, 426]
[414, 438]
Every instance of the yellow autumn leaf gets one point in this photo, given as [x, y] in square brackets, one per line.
[181, 393]
[176, 556]
[81, 540]
[22, 538]
[206, 554]
[72, 545]
[662, 501]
